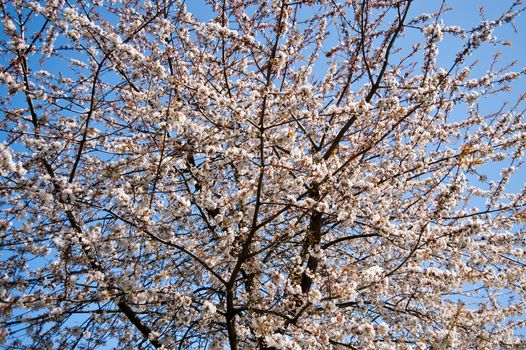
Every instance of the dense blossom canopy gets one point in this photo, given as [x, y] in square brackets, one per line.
[281, 175]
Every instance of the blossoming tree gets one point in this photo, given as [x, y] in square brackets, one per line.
[285, 175]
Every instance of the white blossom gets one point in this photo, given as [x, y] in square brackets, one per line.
[260, 174]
